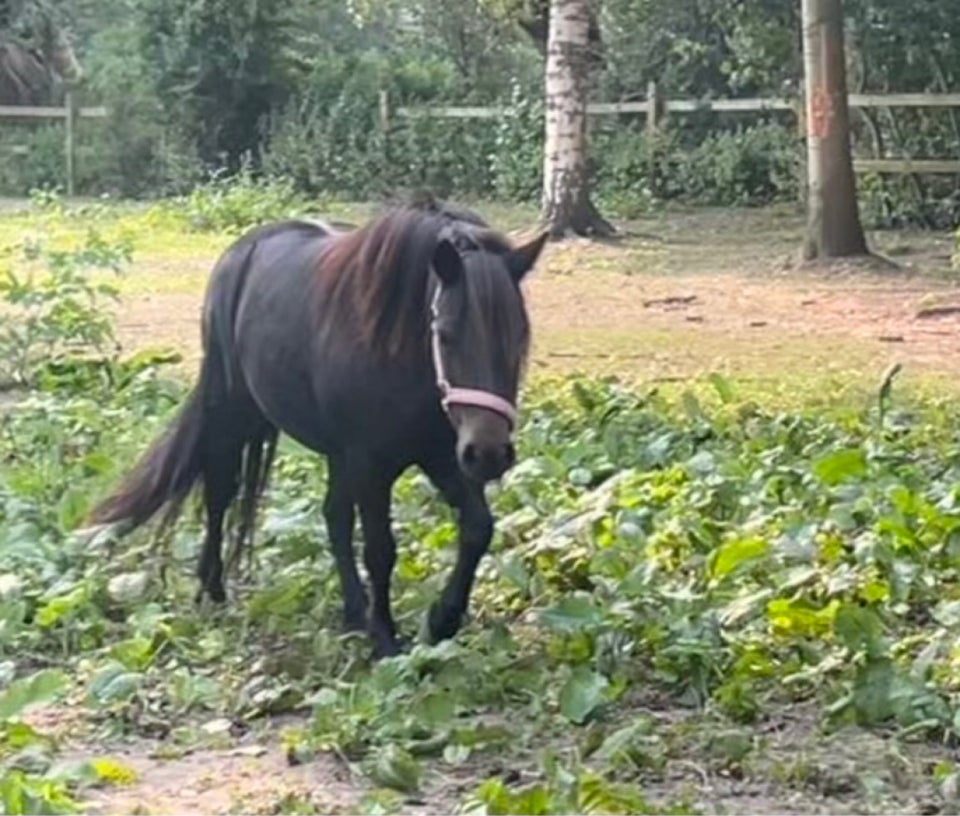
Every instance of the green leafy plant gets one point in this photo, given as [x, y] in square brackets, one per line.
[58, 311]
[234, 203]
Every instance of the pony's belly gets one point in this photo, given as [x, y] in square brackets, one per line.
[286, 400]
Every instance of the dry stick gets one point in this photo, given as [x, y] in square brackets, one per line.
[886, 386]
[670, 300]
[937, 311]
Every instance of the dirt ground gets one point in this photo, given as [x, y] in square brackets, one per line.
[678, 297]
[682, 296]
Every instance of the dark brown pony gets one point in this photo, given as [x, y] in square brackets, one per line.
[401, 343]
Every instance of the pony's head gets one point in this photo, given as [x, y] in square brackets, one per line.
[480, 337]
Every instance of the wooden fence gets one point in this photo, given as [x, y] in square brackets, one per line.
[69, 114]
[655, 108]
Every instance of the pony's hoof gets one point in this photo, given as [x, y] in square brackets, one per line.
[387, 644]
[442, 623]
[215, 593]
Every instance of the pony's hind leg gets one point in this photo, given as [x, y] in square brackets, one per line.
[380, 556]
[221, 481]
[338, 511]
[235, 428]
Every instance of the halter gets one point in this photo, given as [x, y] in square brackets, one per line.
[449, 395]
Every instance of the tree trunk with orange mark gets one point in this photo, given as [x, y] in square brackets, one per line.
[833, 219]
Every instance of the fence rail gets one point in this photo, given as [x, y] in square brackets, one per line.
[32, 112]
[745, 105]
[653, 108]
[69, 113]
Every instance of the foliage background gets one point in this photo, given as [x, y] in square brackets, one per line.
[293, 88]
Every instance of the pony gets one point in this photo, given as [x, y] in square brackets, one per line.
[401, 343]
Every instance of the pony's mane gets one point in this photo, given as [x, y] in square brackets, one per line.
[375, 278]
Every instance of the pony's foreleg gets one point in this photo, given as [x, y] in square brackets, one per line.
[476, 530]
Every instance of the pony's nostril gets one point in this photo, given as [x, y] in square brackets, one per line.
[470, 454]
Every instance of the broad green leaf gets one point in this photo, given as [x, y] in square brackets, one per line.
[733, 554]
[393, 767]
[722, 386]
[598, 794]
[436, 708]
[860, 629]
[572, 614]
[581, 694]
[796, 618]
[41, 687]
[113, 684]
[841, 466]
[872, 692]
[60, 607]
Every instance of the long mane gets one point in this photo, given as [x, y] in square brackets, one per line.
[376, 279]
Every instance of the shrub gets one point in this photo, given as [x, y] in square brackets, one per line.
[751, 165]
[233, 204]
[57, 312]
[516, 157]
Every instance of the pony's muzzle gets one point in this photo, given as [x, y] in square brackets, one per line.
[486, 464]
[485, 450]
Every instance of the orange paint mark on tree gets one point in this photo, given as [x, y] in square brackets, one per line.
[821, 113]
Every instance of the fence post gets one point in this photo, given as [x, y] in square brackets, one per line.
[384, 100]
[653, 113]
[653, 108]
[70, 104]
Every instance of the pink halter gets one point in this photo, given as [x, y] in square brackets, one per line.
[449, 395]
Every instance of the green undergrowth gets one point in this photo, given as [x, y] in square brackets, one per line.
[720, 556]
[690, 584]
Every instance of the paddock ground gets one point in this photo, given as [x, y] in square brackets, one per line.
[680, 296]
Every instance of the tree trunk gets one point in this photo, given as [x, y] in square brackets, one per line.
[833, 220]
[566, 194]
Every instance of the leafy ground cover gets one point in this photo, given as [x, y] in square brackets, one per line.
[698, 600]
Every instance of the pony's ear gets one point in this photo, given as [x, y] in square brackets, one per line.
[522, 259]
[447, 263]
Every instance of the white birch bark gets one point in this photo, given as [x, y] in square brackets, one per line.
[566, 197]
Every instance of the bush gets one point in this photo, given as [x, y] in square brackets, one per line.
[33, 159]
[57, 313]
[751, 165]
[516, 158]
[233, 204]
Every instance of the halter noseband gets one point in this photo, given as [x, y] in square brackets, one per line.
[449, 395]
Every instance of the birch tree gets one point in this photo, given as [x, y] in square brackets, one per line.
[567, 206]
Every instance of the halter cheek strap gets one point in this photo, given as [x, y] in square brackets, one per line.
[472, 397]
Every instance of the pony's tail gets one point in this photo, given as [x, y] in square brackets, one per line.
[258, 457]
[166, 473]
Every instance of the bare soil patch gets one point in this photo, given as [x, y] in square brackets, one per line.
[689, 294]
